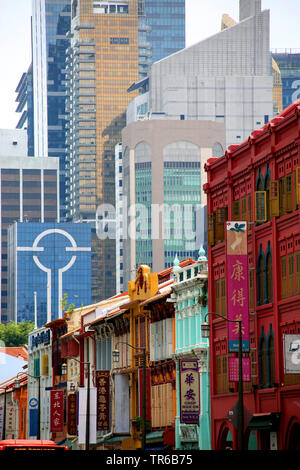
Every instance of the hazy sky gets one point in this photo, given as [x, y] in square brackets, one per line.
[203, 19]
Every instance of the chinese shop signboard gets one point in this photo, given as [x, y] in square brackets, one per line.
[56, 410]
[237, 284]
[102, 385]
[189, 391]
[72, 414]
[233, 366]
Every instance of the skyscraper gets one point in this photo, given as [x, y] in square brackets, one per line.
[51, 21]
[103, 61]
[225, 78]
[167, 22]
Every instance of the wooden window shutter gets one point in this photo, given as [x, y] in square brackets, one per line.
[282, 200]
[223, 296]
[244, 208]
[217, 296]
[289, 193]
[211, 229]
[291, 275]
[283, 277]
[249, 208]
[297, 181]
[220, 223]
[274, 198]
[235, 210]
[297, 272]
[45, 364]
[260, 206]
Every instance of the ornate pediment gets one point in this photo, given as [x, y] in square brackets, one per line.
[145, 285]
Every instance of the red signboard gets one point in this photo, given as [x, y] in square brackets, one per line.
[56, 410]
[233, 365]
[102, 385]
[237, 284]
[72, 414]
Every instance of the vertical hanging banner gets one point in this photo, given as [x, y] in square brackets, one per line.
[148, 393]
[237, 284]
[102, 385]
[72, 414]
[56, 410]
[189, 391]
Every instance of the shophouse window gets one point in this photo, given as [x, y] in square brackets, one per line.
[266, 356]
[260, 278]
[223, 295]
[222, 368]
[262, 356]
[269, 275]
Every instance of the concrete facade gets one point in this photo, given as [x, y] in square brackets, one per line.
[225, 78]
[157, 145]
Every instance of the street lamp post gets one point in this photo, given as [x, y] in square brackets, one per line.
[87, 425]
[18, 385]
[205, 329]
[4, 414]
[116, 357]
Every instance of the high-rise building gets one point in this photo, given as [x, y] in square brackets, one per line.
[29, 193]
[103, 61]
[47, 263]
[288, 61]
[167, 27]
[224, 78]
[51, 21]
[162, 198]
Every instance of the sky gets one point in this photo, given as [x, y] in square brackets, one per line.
[203, 19]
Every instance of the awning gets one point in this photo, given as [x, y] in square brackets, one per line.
[263, 421]
[155, 435]
[114, 439]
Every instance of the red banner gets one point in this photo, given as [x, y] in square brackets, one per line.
[56, 410]
[102, 385]
[72, 414]
[148, 393]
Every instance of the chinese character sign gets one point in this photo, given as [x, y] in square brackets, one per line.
[233, 366]
[56, 410]
[189, 391]
[237, 284]
[102, 385]
[72, 414]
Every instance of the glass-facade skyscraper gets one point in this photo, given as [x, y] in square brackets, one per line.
[51, 20]
[288, 62]
[167, 22]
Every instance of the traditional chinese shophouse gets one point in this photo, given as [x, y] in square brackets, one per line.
[189, 297]
[136, 324]
[253, 197]
[39, 383]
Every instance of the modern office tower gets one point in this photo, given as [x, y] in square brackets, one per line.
[47, 263]
[119, 217]
[288, 61]
[51, 21]
[167, 22]
[226, 22]
[163, 177]
[103, 62]
[224, 78]
[29, 192]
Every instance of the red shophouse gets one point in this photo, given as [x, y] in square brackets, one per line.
[259, 182]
